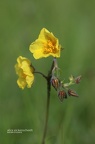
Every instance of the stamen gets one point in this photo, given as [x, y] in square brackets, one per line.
[49, 48]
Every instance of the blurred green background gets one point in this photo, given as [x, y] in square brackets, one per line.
[73, 22]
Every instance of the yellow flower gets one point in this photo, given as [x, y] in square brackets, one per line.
[46, 45]
[25, 72]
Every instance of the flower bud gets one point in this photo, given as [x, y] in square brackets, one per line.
[72, 93]
[62, 94]
[71, 78]
[55, 82]
[77, 79]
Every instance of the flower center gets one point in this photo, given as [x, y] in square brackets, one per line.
[49, 48]
[23, 75]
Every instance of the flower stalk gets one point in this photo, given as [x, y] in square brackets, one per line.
[41, 74]
[47, 109]
[48, 102]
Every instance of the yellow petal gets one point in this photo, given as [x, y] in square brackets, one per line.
[29, 80]
[37, 50]
[21, 83]
[43, 33]
[46, 35]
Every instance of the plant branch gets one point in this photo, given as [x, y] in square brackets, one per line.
[41, 74]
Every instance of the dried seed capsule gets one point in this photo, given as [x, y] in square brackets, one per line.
[62, 94]
[55, 82]
[72, 93]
